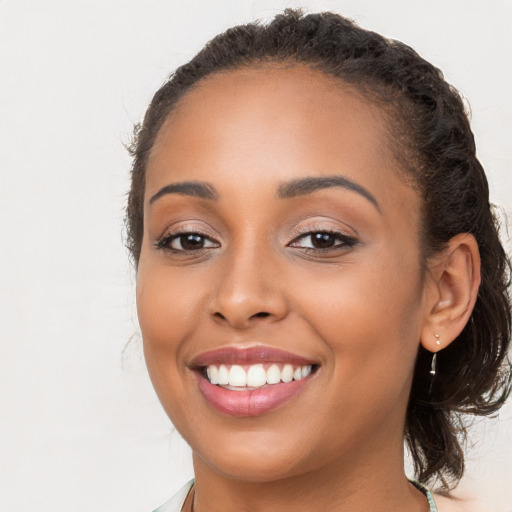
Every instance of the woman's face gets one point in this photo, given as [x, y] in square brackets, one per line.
[280, 248]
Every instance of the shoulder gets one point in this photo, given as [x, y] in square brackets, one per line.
[454, 504]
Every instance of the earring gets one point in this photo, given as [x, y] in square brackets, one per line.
[434, 357]
[433, 365]
[432, 372]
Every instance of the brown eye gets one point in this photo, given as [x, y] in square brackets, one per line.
[186, 242]
[323, 240]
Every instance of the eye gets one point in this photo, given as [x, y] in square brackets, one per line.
[186, 242]
[323, 240]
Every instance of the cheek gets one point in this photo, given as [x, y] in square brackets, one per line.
[168, 303]
[371, 324]
[370, 317]
[168, 310]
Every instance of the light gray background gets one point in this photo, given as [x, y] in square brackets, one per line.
[80, 427]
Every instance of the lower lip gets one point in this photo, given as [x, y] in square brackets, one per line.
[251, 402]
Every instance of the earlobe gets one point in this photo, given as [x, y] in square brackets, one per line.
[453, 288]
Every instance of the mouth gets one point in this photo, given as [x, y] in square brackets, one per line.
[237, 377]
[253, 381]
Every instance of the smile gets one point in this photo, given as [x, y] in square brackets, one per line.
[253, 381]
[239, 378]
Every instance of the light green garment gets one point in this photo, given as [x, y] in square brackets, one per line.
[428, 494]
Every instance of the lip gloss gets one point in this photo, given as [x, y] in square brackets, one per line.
[250, 401]
[248, 355]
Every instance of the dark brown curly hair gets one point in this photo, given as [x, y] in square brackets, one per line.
[430, 133]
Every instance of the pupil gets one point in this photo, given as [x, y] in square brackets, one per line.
[191, 242]
[322, 240]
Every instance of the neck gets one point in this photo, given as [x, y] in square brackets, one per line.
[371, 481]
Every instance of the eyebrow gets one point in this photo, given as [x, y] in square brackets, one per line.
[303, 186]
[294, 188]
[188, 188]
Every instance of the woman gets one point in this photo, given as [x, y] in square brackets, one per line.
[319, 272]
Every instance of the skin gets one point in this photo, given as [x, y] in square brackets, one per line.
[360, 310]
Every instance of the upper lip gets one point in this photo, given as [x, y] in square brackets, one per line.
[248, 355]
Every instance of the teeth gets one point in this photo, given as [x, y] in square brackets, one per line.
[213, 374]
[287, 373]
[223, 376]
[273, 374]
[237, 376]
[255, 376]
[305, 371]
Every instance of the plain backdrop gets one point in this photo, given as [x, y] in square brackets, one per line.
[80, 426]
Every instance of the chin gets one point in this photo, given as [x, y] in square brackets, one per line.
[251, 468]
[258, 457]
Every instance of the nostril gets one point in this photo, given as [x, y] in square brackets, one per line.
[261, 314]
[236, 320]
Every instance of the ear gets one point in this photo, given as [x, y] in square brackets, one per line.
[451, 291]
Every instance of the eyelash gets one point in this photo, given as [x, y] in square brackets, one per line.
[346, 241]
[165, 242]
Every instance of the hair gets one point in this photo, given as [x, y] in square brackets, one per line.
[433, 142]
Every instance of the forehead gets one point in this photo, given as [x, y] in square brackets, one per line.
[273, 123]
[280, 98]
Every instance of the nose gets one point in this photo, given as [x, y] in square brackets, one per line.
[249, 291]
